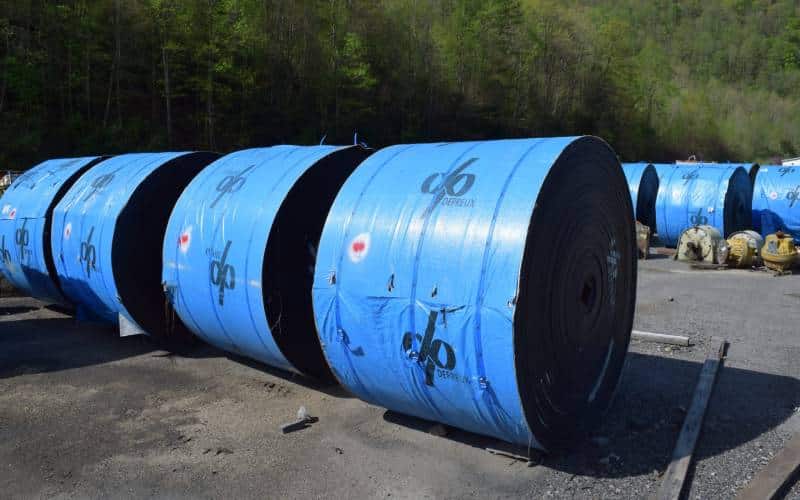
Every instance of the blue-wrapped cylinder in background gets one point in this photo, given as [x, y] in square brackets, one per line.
[240, 247]
[108, 232]
[643, 185]
[663, 169]
[776, 200]
[486, 285]
[25, 224]
[695, 194]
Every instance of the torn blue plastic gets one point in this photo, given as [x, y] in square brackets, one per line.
[216, 241]
[25, 222]
[643, 184]
[418, 274]
[776, 200]
[108, 220]
[719, 195]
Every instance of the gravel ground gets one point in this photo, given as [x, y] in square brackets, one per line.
[86, 414]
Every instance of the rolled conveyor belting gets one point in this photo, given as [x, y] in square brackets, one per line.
[108, 232]
[643, 184]
[776, 200]
[26, 210]
[486, 285]
[718, 195]
[240, 248]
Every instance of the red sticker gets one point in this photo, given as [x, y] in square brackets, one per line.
[185, 239]
[12, 213]
[359, 247]
[67, 230]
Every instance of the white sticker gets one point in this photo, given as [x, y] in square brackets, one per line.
[773, 195]
[359, 247]
[185, 239]
[6, 208]
[67, 230]
[711, 210]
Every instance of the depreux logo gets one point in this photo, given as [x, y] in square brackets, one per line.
[433, 353]
[449, 188]
[793, 196]
[222, 275]
[98, 184]
[231, 184]
[4, 251]
[88, 254]
[694, 174]
[698, 219]
[22, 238]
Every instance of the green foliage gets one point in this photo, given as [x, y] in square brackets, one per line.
[659, 80]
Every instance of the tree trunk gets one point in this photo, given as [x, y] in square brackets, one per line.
[88, 83]
[167, 97]
[210, 99]
[118, 56]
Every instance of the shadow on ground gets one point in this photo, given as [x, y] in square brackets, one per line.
[46, 345]
[638, 434]
[40, 345]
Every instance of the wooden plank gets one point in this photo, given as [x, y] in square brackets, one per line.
[661, 338]
[778, 476]
[674, 477]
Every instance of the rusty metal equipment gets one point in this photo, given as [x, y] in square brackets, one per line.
[703, 244]
[744, 248]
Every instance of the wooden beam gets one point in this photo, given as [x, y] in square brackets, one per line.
[674, 477]
[778, 476]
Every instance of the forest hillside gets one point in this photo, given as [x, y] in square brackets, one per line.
[658, 79]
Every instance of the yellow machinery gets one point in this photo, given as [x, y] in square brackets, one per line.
[744, 248]
[702, 244]
[779, 252]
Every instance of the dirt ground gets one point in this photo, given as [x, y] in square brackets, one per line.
[86, 414]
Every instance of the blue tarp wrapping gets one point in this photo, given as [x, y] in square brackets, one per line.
[240, 245]
[719, 195]
[643, 184]
[108, 232]
[25, 220]
[441, 292]
[776, 200]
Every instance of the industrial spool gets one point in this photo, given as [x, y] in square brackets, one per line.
[486, 285]
[776, 201]
[26, 210]
[689, 195]
[240, 249]
[643, 184]
[108, 231]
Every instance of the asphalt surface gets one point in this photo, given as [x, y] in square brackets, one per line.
[84, 413]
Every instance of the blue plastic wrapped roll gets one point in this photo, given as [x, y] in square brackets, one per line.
[108, 231]
[486, 285]
[776, 200]
[663, 169]
[643, 185]
[240, 247]
[696, 194]
[26, 210]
